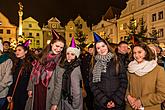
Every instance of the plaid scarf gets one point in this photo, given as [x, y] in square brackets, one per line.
[44, 72]
[101, 66]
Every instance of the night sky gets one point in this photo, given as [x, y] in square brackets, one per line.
[42, 10]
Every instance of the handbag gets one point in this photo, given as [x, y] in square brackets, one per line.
[11, 104]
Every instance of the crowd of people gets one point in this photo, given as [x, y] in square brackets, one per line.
[105, 77]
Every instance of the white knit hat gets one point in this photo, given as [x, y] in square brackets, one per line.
[76, 51]
[73, 48]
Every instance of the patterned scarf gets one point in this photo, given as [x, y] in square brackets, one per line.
[101, 66]
[44, 72]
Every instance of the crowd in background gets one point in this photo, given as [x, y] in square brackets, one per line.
[103, 77]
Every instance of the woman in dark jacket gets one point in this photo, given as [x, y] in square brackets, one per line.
[108, 79]
[22, 68]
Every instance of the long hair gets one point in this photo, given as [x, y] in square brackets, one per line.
[29, 57]
[48, 48]
[149, 54]
[110, 49]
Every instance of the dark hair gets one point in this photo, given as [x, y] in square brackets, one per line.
[149, 54]
[29, 57]
[6, 42]
[110, 49]
[90, 46]
[123, 42]
[48, 48]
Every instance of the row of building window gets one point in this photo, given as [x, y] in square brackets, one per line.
[154, 16]
[30, 34]
[7, 31]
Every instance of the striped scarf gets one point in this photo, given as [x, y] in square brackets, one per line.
[101, 66]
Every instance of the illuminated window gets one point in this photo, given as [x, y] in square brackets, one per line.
[121, 26]
[160, 15]
[30, 25]
[153, 17]
[1, 31]
[8, 32]
[37, 34]
[142, 2]
[160, 33]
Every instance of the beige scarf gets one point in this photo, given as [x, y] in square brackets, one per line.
[143, 68]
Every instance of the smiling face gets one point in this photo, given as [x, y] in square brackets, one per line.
[20, 52]
[70, 56]
[57, 47]
[101, 48]
[139, 54]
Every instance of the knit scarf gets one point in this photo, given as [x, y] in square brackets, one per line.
[143, 68]
[44, 72]
[101, 66]
[66, 81]
[3, 58]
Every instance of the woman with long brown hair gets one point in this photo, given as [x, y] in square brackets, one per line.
[21, 73]
[46, 77]
[109, 80]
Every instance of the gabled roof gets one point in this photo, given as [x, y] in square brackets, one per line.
[54, 19]
[112, 12]
[30, 19]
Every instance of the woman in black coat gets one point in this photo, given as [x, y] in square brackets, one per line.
[108, 80]
[22, 66]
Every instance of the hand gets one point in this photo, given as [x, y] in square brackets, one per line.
[137, 104]
[131, 100]
[30, 93]
[9, 98]
[54, 107]
[110, 104]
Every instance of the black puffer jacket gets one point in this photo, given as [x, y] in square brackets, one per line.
[111, 88]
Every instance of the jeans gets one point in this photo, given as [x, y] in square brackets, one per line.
[2, 102]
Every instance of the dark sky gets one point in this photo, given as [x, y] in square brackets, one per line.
[42, 10]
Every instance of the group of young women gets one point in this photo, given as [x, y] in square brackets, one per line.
[54, 81]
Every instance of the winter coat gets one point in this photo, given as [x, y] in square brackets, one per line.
[112, 87]
[76, 92]
[149, 88]
[6, 78]
[53, 90]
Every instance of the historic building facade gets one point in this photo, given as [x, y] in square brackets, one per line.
[53, 23]
[7, 30]
[73, 28]
[32, 31]
[152, 12]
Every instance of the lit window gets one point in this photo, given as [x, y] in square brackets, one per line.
[1, 31]
[8, 32]
[142, 2]
[30, 25]
[30, 34]
[37, 42]
[121, 26]
[160, 15]
[160, 33]
[37, 34]
[153, 17]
